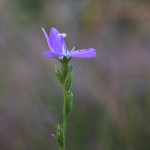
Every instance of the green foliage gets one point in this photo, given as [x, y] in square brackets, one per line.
[68, 80]
[69, 101]
[58, 75]
[59, 135]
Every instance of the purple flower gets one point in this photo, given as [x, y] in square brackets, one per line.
[58, 47]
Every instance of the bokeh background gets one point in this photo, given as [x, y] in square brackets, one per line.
[111, 108]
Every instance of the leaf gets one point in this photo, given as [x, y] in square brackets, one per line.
[68, 80]
[58, 74]
[69, 102]
[59, 135]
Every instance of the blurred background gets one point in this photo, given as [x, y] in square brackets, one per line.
[111, 108]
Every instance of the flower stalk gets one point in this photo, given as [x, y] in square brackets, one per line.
[65, 78]
[58, 50]
[64, 74]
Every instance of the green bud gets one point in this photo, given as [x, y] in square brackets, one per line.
[58, 74]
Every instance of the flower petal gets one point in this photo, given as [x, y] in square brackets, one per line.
[84, 53]
[57, 42]
[52, 54]
[47, 38]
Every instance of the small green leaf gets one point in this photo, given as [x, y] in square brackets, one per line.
[58, 74]
[69, 101]
[68, 81]
[59, 135]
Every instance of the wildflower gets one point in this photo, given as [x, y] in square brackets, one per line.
[57, 45]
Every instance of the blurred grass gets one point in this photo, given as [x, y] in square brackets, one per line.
[111, 93]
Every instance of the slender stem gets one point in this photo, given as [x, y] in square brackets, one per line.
[64, 73]
[64, 118]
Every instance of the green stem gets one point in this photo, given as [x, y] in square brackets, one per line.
[64, 118]
[65, 78]
[64, 74]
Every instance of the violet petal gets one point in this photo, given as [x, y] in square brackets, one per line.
[47, 39]
[52, 54]
[84, 53]
[57, 42]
